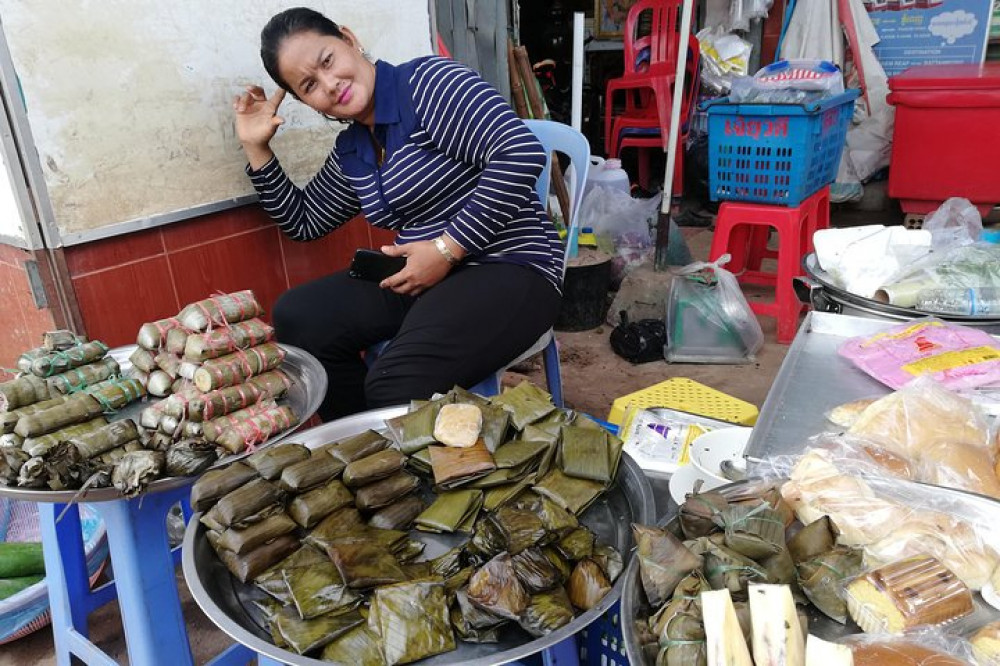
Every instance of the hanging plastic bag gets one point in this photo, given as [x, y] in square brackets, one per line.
[723, 57]
[708, 318]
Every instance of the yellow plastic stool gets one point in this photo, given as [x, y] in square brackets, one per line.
[687, 395]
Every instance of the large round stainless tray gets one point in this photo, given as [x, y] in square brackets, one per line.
[304, 397]
[226, 601]
[828, 297]
[635, 605]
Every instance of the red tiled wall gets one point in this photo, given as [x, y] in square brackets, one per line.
[22, 322]
[772, 32]
[125, 281]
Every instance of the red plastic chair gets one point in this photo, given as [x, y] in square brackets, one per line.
[648, 81]
[643, 130]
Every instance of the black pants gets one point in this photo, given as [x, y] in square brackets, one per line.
[475, 321]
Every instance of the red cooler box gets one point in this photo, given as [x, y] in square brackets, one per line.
[947, 137]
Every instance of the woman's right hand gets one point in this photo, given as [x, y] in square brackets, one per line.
[257, 120]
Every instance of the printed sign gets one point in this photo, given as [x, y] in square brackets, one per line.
[929, 32]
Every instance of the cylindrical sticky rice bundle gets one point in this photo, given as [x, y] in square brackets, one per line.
[159, 383]
[25, 360]
[238, 367]
[149, 417]
[207, 406]
[225, 340]
[176, 340]
[153, 335]
[257, 429]
[111, 456]
[77, 409]
[187, 369]
[21, 392]
[105, 438]
[222, 309]
[213, 429]
[61, 339]
[178, 404]
[169, 363]
[37, 446]
[143, 359]
[55, 362]
[9, 419]
[116, 393]
[80, 378]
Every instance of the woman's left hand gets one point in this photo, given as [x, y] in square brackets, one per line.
[425, 267]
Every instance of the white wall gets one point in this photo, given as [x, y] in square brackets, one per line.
[10, 217]
[129, 101]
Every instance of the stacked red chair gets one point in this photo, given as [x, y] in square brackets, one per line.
[651, 46]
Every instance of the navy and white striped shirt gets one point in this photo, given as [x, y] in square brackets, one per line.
[457, 161]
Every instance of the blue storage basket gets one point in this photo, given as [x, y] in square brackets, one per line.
[28, 610]
[601, 643]
[775, 153]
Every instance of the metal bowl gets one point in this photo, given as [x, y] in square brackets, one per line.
[226, 601]
[304, 397]
[819, 291]
[635, 605]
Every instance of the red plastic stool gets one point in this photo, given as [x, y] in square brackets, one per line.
[742, 230]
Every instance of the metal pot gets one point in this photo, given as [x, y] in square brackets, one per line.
[818, 290]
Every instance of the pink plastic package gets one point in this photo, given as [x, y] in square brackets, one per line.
[956, 356]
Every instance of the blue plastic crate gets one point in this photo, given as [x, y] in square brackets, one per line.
[601, 643]
[775, 153]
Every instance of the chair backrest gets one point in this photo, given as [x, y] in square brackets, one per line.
[661, 38]
[564, 139]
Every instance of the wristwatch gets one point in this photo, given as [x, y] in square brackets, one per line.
[445, 251]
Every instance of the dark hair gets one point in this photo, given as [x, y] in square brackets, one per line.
[287, 23]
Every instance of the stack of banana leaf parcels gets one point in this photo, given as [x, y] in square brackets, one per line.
[329, 538]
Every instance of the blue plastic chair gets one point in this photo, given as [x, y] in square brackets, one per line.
[564, 139]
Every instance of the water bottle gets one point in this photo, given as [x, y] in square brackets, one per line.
[975, 301]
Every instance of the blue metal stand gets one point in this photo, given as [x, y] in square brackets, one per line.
[145, 583]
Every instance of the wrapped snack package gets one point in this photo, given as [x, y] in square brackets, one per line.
[958, 357]
[909, 593]
[894, 519]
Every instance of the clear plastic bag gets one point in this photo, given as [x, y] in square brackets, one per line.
[907, 594]
[790, 82]
[955, 222]
[930, 646]
[708, 317]
[724, 56]
[624, 225]
[891, 519]
[968, 266]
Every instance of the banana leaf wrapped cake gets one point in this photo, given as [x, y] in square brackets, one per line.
[520, 560]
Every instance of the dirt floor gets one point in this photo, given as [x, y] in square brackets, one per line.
[593, 376]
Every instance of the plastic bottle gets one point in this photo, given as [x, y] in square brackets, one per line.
[606, 173]
[975, 301]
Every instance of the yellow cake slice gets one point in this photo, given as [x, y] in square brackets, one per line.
[908, 593]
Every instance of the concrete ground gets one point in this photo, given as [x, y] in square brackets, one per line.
[593, 376]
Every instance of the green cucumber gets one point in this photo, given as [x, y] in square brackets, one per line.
[21, 559]
[11, 586]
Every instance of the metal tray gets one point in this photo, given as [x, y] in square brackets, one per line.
[812, 379]
[635, 605]
[226, 601]
[825, 296]
[304, 397]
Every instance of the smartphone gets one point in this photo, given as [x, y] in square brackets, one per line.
[374, 266]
